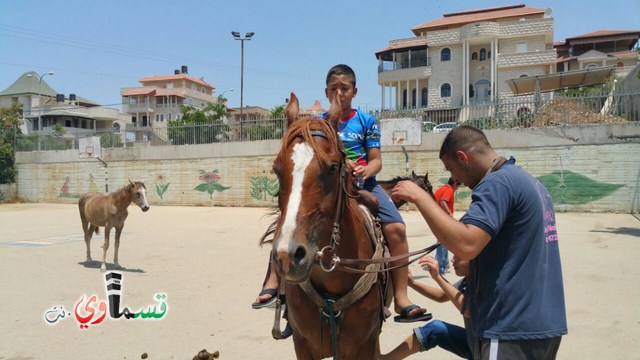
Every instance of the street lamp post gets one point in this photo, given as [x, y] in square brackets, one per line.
[222, 95]
[236, 36]
[40, 101]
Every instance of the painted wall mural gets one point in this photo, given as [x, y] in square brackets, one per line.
[263, 186]
[161, 186]
[2, 196]
[93, 187]
[569, 188]
[210, 182]
[64, 190]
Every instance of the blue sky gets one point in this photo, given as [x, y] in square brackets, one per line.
[97, 47]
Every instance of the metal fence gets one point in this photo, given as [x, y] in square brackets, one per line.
[557, 109]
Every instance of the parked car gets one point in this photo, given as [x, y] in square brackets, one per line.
[428, 126]
[445, 127]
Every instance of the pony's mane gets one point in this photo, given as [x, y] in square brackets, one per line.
[396, 179]
[302, 128]
[123, 193]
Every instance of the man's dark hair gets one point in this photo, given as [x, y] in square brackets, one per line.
[342, 69]
[451, 181]
[464, 137]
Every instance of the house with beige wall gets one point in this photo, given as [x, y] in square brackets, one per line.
[160, 97]
[43, 107]
[599, 49]
[464, 58]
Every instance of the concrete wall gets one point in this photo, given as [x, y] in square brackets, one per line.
[588, 168]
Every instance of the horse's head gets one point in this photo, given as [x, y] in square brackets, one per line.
[138, 193]
[309, 167]
[423, 182]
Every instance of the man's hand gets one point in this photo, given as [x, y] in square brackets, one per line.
[407, 191]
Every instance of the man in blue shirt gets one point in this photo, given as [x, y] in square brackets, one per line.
[515, 289]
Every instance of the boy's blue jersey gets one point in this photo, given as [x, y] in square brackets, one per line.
[358, 133]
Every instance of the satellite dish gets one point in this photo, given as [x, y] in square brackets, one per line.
[547, 13]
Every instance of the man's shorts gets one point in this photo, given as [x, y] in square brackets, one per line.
[539, 349]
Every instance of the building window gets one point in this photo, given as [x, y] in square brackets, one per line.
[445, 90]
[523, 75]
[413, 97]
[161, 117]
[474, 56]
[404, 98]
[445, 54]
[116, 126]
[489, 54]
[591, 66]
[132, 100]
[204, 91]
[620, 64]
[521, 47]
[194, 87]
[483, 54]
[425, 97]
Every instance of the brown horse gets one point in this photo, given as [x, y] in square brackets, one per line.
[109, 211]
[422, 181]
[318, 210]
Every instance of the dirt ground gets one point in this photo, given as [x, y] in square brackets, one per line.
[207, 262]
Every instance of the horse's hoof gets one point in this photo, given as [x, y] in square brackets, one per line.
[103, 268]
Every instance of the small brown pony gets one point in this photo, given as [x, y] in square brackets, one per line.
[109, 211]
[319, 214]
[422, 181]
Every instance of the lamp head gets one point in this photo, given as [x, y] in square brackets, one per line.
[235, 34]
[249, 35]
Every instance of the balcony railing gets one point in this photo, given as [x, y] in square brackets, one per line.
[404, 64]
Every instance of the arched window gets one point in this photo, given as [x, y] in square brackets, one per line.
[523, 75]
[404, 98]
[620, 64]
[116, 126]
[413, 98]
[483, 54]
[445, 90]
[425, 97]
[474, 56]
[445, 54]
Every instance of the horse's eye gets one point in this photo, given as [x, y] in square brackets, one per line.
[138, 194]
[333, 169]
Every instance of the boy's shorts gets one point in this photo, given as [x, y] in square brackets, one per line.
[388, 212]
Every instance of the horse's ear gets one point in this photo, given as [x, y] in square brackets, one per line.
[335, 111]
[130, 182]
[293, 109]
[413, 174]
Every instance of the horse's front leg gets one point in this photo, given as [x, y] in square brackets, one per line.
[105, 247]
[88, 234]
[117, 245]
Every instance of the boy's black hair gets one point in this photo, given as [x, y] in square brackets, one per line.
[342, 69]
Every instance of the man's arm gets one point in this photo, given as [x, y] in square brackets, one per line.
[466, 241]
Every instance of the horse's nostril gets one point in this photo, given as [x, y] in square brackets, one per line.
[301, 252]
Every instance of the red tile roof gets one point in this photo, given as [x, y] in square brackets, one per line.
[134, 92]
[600, 33]
[175, 77]
[466, 17]
[401, 46]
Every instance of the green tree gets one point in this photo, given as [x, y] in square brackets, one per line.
[200, 126]
[9, 119]
[278, 112]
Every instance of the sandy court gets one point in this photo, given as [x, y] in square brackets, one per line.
[206, 260]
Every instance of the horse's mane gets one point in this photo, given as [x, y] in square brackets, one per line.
[395, 179]
[122, 194]
[303, 128]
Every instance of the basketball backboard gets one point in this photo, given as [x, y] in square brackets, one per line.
[403, 131]
[89, 147]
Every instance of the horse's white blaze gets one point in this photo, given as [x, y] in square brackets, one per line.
[301, 156]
